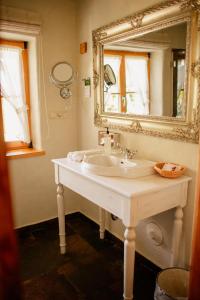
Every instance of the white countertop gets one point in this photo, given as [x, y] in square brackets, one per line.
[124, 186]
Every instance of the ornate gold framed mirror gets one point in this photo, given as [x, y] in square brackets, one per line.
[155, 57]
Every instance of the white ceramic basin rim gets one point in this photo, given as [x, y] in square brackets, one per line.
[110, 165]
[107, 160]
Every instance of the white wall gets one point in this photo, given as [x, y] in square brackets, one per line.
[32, 179]
[93, 14]
[156, 83]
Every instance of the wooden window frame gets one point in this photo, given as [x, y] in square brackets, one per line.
[122, 83]
[16, 145]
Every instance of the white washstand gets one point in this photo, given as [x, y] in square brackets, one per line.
[130, 199]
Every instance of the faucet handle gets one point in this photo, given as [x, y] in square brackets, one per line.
[130, 153]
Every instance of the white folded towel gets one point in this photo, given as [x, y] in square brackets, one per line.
[79, 155]
[171, 167]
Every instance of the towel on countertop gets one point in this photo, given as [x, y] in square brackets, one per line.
[79, 155]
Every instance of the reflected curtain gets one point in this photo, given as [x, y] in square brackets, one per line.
[137, 83]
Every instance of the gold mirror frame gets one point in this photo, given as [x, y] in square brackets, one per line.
[161, 16]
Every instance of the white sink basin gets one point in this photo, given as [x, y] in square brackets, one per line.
[110, 165]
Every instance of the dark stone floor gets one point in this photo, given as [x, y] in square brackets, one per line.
[92, 269]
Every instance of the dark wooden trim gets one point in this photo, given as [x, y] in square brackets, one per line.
[9, 262]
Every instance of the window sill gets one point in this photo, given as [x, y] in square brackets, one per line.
[24, 153]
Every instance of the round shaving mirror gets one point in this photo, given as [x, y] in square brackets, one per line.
[109, 76]
[62, 74]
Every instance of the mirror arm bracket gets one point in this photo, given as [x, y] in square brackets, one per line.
[95, 78]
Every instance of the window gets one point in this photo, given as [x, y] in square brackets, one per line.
[15, 101]
[130, 94]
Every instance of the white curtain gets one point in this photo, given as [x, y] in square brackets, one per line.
[12, 86]
[137, 84]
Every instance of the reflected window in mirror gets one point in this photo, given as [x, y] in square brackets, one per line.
[112, 93]
[150, 73]
[130, 94]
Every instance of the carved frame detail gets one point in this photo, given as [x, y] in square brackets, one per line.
[166, 127]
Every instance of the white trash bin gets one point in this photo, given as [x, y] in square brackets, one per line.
[172, 284]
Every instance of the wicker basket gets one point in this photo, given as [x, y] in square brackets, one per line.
[169, 174]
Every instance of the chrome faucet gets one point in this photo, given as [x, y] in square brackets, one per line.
[127, 153]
